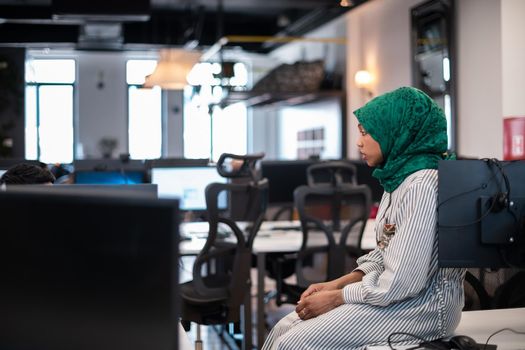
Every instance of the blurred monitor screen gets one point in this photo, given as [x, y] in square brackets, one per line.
[110, 177]
[126, 191]
[284, 177]
[84, 272]
[188, 184]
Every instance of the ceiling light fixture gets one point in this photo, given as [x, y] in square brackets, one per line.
[172, 69]
[346, 3]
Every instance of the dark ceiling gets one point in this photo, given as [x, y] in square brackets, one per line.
[142, 24]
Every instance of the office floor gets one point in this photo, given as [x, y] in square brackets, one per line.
[210, 338]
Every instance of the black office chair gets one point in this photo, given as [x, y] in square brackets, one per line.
[336, 211]
[331, 172]
[327, 173]
[221, 272]
[476, 296]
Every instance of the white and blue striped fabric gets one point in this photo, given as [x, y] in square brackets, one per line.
[403, 289]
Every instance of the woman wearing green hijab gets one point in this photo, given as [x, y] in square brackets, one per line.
[398, 287]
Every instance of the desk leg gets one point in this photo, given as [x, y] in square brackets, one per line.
[261, 272]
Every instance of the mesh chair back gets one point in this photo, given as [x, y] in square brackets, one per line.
[338, 215]
[332, 173]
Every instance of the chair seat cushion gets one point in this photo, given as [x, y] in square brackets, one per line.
[205, 309]
[189, 294]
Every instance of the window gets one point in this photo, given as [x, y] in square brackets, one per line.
[229, 130]
[49, 110]
[197, 127]
[144, 112]
[210, 130]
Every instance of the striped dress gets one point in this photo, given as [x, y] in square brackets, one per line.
[403, 289]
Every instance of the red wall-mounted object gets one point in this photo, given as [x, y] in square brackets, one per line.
[514, 138]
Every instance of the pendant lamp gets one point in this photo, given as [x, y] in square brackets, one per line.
[172, 69]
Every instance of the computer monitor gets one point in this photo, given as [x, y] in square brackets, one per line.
[109, 171]
[138, 190]
[88, 273]
[107, 177]
[481, 213]
[176, 162]
[109, 164]
[188, 184]
[284, 176]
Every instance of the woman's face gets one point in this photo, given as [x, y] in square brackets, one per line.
[369, 148]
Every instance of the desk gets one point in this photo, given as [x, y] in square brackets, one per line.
[479, 325]
[270, 239]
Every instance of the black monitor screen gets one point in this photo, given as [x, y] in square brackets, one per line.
[116, 177]
[138, 190]
[284, 176]
[88, 273]
[481, 213]
[188, 184]
[109, 164]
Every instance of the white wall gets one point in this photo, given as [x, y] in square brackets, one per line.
[378, 35]
[479, 94]
[490, 64]
[513, 57]
[101, 112]
[263, 130]
[324, 114]
[173, 124]
[104, 112]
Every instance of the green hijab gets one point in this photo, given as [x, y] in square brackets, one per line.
[411, 130]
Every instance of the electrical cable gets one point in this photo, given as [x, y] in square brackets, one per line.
[499, 331]
[427, 343]
[423, 341]
[478, 220]
[508, 204]
[482, 186]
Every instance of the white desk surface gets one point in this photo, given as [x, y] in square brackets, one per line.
[479, 325]
[269, 238]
